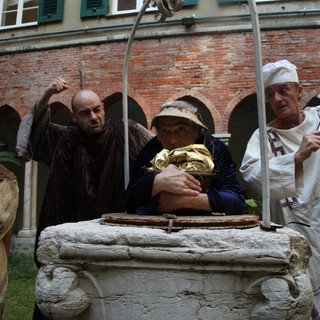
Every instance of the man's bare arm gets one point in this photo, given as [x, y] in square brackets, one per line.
[57, 86]
[170, 201]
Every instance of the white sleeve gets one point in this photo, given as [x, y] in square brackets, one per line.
[283, 181]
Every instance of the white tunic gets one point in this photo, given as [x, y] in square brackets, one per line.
[303, 185]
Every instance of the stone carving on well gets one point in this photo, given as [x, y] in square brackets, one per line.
[58, 294]
[283, 298]
[95, 271]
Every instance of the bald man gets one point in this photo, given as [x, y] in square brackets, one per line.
[86, 158]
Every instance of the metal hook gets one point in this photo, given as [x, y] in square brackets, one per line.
[167, 8]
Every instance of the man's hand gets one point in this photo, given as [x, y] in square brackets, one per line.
[175, 181]
[310, 143]
[57, 86]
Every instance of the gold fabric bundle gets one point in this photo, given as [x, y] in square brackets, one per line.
[195, 158]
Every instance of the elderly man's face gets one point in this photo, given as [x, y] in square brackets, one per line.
[89, 113]
[175, 132]
[284, 98]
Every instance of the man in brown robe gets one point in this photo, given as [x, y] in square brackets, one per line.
[86, 158]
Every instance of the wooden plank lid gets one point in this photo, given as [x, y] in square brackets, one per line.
[178, 222]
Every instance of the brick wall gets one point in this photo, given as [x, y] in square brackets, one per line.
[218, 69]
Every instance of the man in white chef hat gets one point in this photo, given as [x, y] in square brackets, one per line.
[294, 162]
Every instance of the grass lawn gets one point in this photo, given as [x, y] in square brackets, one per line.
[19, 300]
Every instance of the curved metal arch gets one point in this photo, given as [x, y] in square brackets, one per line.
[166, 9]
[167, 6]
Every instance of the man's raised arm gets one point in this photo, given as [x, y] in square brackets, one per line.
[57, 86]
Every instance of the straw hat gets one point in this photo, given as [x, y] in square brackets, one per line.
[181, 109]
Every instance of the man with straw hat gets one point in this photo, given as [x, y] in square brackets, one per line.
[181, 145]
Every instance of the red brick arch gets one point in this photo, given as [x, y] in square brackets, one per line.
[116, 91]
[205, 102]
[233, 104]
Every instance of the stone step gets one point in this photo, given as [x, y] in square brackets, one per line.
[21, 244]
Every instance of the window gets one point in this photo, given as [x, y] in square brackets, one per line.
[129, 6]
[94, 8]
[232, 1]
[242, 1]
[126, 6]
[50, 11]
[15, 13]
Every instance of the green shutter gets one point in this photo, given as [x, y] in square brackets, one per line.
[190, 3]
[232, 1]
[50, 10]
[93, 8]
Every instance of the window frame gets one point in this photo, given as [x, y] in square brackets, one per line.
[139, 4]
[241, 1]
[231, 1]
[114, 6]
[187, 3]
[19, 17]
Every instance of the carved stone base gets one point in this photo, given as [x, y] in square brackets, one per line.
[94, 271]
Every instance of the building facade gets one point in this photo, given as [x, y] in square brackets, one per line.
[203, 53]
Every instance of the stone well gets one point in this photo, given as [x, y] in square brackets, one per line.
[119, 272]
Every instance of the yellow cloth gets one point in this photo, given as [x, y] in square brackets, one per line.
[194, 157]
[8, 207]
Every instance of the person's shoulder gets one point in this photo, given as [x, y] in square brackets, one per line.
[70, 132]
[114, 121]
[211, 138]
[313, 109]
[153, 142]
[212, 142]
[144, 132]
[311, 114]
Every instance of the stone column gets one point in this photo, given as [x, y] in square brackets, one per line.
[224, 137]
[30, 200]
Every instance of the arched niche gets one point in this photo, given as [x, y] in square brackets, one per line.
[242, 123]
[202, 110]
[9, 124]
[113, 109]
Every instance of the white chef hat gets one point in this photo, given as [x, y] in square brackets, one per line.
[278, 72]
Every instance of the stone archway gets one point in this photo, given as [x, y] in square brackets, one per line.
[9, 124]
[243, 122]
[113, 109]
[203, 111]
[313, 101]
[205, 107]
